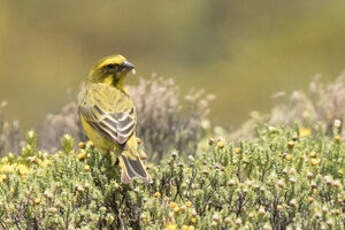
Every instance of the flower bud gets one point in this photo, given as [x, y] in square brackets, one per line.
[336, 184]
[220, 144]
[81, 145]
[157, 194]
[237, 150]
[313, 154]
[231, 182]
[211, 141]
[81, 156]
[47, 195]
[284, 171]
[329, 223]
[310, 199]
[314, 162]
[288, 157]
[313, 184]
[79, 188]
[292, 202]
[174, 154]
[37, 201]
[188, 204]
[310, 175]
[227, 220]
[238, 222]
[172, 205]
[292, 171]
[194, 213]
[266, 227]
[292, 180]
[215, 217]
[182, 208]
[262, 211]
[291, 144]
[337, 138]
[87, 168]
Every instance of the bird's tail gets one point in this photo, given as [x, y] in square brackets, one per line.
[133, 167]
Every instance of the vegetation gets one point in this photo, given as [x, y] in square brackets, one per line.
[285, 176]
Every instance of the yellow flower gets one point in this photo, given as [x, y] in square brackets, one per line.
[22, 169]
[288, 157]
[82, 145]
[172, 205]
[90, 144]
[193, 220]
[191, 227]
[8, 168]
[313, 154]
[3, 177]
[220, 144]
[81, 156]
[171, 226]
[188, 204]
[87, 168]
[237, 150]
[184, 227]
[291, 144]
[45, 163]
[314, 162]
[176, 209]
[337, 138]
[304, 132]
[280, 207]
[157, 194]
[37, 201]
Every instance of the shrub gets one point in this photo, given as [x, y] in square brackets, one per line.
[284, 178]
[10, 134]
[165, 121]
[322, 105]
[55, 126]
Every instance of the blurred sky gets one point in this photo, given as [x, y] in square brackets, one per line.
[242, 51]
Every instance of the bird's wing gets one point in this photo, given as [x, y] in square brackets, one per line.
[110, 112]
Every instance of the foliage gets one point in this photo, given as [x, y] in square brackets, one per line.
[10, 134]
[322, 105]
[286, 172]
[163, 123]
[285, 178]
[55, 126]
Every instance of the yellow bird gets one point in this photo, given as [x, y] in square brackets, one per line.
[108, 115]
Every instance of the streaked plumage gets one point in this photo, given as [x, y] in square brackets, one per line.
[108, 115]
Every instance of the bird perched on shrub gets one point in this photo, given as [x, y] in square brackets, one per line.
[109, 117]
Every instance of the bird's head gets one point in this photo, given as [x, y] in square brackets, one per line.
[111, 70]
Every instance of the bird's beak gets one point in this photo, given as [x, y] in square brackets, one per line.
[127, 65]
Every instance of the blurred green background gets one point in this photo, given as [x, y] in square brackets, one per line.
[242, 51]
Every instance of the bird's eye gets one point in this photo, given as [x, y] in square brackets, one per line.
[111, 66]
